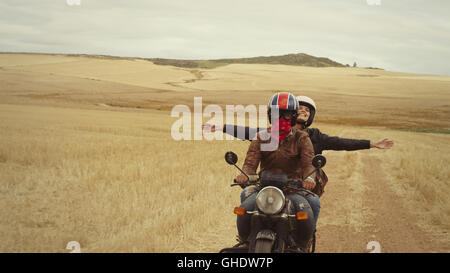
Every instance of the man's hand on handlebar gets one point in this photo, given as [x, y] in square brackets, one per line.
[309, 184]
[241, 178]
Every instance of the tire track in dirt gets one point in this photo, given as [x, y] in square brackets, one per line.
[383, 217]
[196, 73]
[394, 225]
[341, 220]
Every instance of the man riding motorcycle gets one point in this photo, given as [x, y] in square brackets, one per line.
[320, 141]
[293, 157]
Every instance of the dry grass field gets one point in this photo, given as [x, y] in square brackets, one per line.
[86, 155]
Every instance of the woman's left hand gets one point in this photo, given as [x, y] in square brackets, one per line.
[382, 144]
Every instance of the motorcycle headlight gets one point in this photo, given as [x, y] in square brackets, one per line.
[270, 200]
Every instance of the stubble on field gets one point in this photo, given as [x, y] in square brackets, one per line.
[86, 155]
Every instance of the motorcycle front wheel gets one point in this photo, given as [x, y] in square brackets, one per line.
[263, 246]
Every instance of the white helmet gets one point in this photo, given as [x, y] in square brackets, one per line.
[308, 102]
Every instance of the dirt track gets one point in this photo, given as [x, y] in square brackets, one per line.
[379, 213]
[49, 105]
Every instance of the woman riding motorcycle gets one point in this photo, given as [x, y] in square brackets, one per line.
[293, 157]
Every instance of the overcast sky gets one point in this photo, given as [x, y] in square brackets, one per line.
[397, 35]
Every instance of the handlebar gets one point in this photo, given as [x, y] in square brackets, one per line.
[290, 181]
[248, 183]
[289, 184]
[231, 158]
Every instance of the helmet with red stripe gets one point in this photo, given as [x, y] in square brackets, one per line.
[285, 103]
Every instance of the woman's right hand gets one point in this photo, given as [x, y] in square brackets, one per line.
[209, 127]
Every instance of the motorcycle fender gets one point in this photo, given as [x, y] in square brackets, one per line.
[266, 234]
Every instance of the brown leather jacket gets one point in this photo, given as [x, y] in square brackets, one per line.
[293, 156]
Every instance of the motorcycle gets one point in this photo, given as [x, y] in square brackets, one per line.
[275, 217]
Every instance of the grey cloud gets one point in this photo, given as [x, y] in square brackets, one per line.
[389, 36]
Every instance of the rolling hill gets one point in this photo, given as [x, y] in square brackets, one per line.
[299, 59]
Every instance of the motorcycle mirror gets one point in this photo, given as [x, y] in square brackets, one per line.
[319, 161]
[231, 158]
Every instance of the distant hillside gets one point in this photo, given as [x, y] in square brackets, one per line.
[300, 59]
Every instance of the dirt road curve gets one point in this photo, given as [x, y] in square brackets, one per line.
[360, 207]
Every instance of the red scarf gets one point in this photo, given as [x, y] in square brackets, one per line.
[280, 129]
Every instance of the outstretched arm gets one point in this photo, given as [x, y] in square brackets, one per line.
[240, 132]
[324, 142]
[338, 143]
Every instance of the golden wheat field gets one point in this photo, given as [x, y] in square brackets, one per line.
[86, 155]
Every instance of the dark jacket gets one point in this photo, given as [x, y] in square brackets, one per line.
[319, 141]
